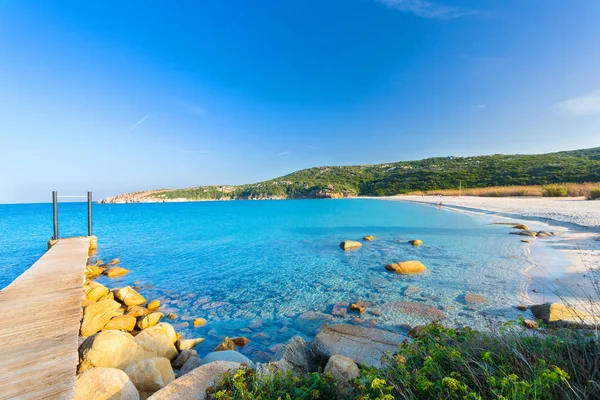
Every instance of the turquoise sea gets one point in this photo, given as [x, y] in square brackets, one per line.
[270, 270]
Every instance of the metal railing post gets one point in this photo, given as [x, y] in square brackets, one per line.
[89, 198]
[55, 213]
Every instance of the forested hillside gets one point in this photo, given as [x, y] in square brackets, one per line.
[402, 177]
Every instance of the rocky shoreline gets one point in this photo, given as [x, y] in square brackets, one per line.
[127, 351]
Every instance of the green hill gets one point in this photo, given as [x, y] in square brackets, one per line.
[403, 177]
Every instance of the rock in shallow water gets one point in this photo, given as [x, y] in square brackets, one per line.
[129, 296]
[350, 245]
[398, 309]
[406, 267]
[365, 346]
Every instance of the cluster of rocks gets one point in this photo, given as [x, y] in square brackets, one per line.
[126, 352]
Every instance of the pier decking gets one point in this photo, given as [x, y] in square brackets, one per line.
[39, 326]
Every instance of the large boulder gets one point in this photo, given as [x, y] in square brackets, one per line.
[94, 291]
[121, 323]
[159, 341]
[150, 375]
[129, 296]
[407, 267]
[295, 356]
[559, 314]
[227, 355]
[97, 315]
[193, 385]
[110, 349]
[350, 245]
[365, 346]
[311, 321]
[104, 383]
[343, 369]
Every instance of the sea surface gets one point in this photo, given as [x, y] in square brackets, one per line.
[270, 270]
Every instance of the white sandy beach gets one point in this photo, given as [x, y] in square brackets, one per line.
[571, 210]
[579, 245]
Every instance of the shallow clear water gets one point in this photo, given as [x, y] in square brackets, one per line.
[256, 266]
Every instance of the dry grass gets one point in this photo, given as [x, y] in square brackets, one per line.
[588, 190]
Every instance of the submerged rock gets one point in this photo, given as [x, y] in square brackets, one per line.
[340, 309]
[240, 341]
[406, 267]
[311, 321]
[365, 346]
[104, 383]
[412, 308]
[412, 290]
[193, 385]
[474, 298]
[350, 245]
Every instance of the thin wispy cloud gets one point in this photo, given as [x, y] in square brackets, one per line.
[283, 153]
[313, 147]
[141, 121]
[480, 106]
[582, 105]
[429, 9]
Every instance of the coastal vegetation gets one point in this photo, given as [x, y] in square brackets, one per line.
[430, 175]
[588, 190]
[444, 363]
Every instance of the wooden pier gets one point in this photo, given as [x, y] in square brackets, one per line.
[40, 313]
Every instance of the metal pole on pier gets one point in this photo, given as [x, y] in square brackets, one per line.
[55, 213]
[89, 198]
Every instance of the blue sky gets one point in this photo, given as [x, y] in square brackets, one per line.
[117, 96]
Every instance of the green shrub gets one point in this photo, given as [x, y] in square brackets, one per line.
[595, 194]
[555, 191]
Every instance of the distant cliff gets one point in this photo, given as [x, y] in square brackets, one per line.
[396, 178]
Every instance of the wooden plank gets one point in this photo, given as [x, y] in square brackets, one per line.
[41, 313]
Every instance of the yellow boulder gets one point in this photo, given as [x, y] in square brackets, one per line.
[149, 320]
[136, 311]
[129, 296]
[95, 291]
[93, 270]
[198, 322]
[153, 305]
[406, 267]
[226, 344]
[114, 272]
[121, 323]
[97, 315]
[369, 238]
[521, 226]
[416, 242]
[350, 245]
